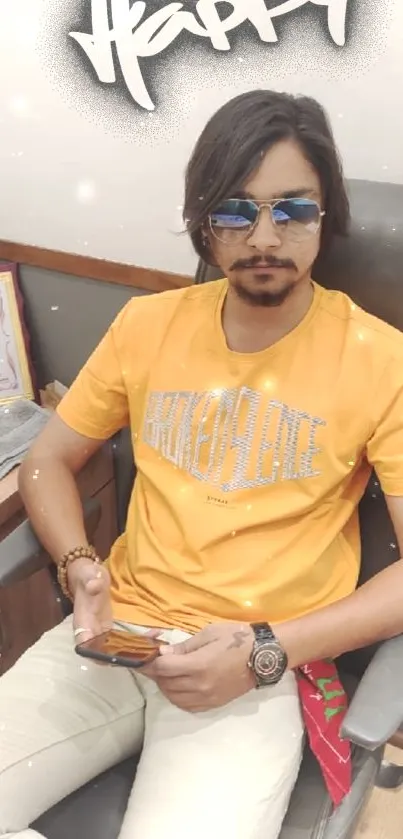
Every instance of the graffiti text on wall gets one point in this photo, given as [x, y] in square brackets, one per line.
[121, 31]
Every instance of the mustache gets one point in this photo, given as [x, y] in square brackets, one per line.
[267, 262]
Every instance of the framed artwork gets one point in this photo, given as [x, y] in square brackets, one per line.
[15, 369]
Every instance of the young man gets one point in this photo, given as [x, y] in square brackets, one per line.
[257, 405]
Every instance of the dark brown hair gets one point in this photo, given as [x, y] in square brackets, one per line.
[231, 147]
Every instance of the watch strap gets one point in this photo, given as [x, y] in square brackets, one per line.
[263, 632]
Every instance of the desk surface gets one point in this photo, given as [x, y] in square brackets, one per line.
[10, 500]
[8, 485]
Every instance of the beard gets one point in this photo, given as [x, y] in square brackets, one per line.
[263, 297]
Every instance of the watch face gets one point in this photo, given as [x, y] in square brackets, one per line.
[269, 662]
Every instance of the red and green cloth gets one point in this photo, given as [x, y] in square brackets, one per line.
[324, 706]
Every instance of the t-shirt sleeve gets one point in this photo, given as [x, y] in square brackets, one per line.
[96, 405]
[385, 446]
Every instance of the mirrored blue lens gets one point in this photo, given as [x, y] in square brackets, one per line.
[235, 214]
[301, 210]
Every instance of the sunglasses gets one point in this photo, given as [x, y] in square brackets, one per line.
[294, 218]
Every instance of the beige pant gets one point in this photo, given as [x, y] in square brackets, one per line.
[224, 773]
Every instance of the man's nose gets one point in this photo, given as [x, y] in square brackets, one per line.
[265, 236]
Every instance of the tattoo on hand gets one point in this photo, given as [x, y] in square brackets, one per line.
[239, 638]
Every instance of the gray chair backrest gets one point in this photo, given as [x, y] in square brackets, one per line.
[368, 266]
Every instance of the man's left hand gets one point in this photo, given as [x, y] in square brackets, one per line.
[208, 670]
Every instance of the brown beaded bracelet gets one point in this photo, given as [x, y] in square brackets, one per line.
[81, 552]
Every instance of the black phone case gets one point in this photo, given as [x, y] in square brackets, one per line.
[116, 660]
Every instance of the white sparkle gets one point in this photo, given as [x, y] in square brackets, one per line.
[83, 667]
[86, 192]
[393, 545]
[19, 105]
[54, 308]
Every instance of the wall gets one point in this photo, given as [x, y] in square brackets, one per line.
[94, 139]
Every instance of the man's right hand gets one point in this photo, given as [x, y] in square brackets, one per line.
[89, 584]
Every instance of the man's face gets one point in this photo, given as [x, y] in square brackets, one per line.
[265, 266]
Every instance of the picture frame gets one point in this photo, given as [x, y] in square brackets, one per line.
[16, 380]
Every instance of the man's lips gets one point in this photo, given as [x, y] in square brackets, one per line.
[264, 269]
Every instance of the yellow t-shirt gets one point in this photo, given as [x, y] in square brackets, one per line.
[250, 467]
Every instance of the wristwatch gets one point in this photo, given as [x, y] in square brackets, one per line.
[268, 659]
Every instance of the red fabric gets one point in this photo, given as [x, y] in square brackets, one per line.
[324, 705]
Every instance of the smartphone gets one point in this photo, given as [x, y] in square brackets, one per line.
[122, 649]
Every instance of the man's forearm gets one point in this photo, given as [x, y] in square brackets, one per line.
[50, 495]
[372, 613]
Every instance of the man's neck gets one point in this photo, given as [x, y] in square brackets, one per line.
[250, 329]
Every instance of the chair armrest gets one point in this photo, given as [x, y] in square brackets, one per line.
[21, 553]
[376, 711]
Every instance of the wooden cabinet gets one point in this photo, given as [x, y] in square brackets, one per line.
[29, 608]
